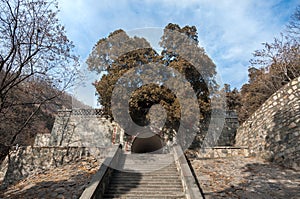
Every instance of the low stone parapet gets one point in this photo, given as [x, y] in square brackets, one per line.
[25, 161]
[221, 152]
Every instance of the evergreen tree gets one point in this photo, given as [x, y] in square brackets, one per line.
[118, 53]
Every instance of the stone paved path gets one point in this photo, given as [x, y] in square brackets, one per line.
[246, 178]
[237, 177]
[63, 182]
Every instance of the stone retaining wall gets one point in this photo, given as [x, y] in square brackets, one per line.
[273, 131]
[227, 137]
[29, 160]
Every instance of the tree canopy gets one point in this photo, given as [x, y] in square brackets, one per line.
[116, 55]
[273, 66]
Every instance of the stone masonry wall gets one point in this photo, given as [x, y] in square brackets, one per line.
[273, 131]
[230, 123]
[227, 137]
[25, 161]
[80, 128]
[76, 134]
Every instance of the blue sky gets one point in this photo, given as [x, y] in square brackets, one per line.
[229, 30]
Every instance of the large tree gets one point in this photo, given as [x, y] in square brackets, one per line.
[37, 62]
[115, 55]
[273, 66]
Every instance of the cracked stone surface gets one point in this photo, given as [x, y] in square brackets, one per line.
[67, 181]
[234, 178]
[246, 178]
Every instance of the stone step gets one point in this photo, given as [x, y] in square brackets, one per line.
[157, 164]
[144, 190]
[133, 155]
[145, 158]
[161, 160]
[147, 185]
[160, 173]
[148, 176]
[148, 197]
[148, 158]
[139, 197]
[144, 178]
[150, 164]
[139, 170]
[154, 162]
[149, 180]
[171, 176]
[150, 167]
[144, 195]
[166, 169]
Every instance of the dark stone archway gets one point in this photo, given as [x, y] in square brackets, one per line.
[147, 144]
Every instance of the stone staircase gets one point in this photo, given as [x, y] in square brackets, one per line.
[145, 176]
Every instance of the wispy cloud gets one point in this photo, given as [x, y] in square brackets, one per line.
[229, 30]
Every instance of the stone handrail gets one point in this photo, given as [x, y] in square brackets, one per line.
[191, 187]
[82, 111]
[87, 112]
[100, 180]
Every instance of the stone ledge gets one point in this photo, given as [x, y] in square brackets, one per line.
[100, 180]
[227, 147]
[190, 185]
[223, 152]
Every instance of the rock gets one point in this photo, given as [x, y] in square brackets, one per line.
[53, 194]
[60, 190]
[28, 186]
[60, 196]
